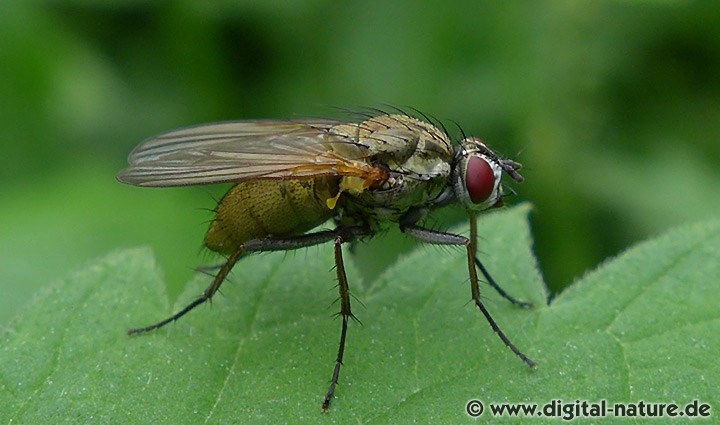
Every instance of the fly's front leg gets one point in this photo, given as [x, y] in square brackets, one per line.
[256, 245]
[498, 288]
[345, 313]
[484, 271]
[442, 238]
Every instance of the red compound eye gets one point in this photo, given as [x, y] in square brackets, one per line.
[479, 179]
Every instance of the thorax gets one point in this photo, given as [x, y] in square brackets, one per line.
[418, 158]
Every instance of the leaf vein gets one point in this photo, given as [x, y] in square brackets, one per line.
[262, 294]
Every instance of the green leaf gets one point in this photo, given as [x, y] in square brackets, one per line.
[644, 326]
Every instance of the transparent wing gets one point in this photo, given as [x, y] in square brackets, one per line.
[245, 150]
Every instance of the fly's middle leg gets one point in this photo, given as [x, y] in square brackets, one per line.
[345, 313]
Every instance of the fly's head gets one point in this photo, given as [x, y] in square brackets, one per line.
[477, 175]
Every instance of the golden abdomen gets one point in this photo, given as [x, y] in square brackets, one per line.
[262, 208]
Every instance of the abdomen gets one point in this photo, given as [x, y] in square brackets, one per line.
[262, 208]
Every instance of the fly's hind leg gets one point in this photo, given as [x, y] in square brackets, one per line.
[206, 295]
[441, 238]
[256, 245]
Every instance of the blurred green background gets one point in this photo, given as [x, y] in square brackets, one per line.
[613, 107]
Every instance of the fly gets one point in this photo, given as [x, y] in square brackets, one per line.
[292, 176]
